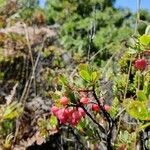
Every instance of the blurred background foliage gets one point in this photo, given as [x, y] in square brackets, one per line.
[90, 26]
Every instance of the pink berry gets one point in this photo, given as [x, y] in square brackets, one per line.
[140, 64]
[106, 107]
[81, 112]
[84, 100]
[75, 115]
[74, 122]
[54, 109]
[62, 115]
[64, 100]
[75, 118]
[95, 107]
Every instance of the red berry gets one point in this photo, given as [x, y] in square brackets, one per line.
[95, 107]
[75, 118]
[54, 109]
[62, 115]
[140, 64]
[76, 115]
[64, 100]
[107, 107]
[84, 100]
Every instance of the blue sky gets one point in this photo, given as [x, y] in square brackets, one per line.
[42, 2]
[124, 3]
[132, 4]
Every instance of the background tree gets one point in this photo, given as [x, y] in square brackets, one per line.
[90, 26]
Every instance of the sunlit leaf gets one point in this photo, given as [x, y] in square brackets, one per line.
[145, 40]
[94, 76]
[13, 110]
[137, 109]
[143, 126]
[53, 121]
[85, 75]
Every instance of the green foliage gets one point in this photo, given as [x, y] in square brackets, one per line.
[87, 73]
[114, 107]
[97, 21]
[2, 2]
[85, 128]
[47, 126]
[53, 121]
[11, 111]
[63, 80]
[86, 27]
[141, 95]
[126, 139]
[145, 40]
[8, 114]
[136, 109]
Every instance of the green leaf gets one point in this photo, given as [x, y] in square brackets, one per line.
[147, 88]
[145, 40]
[71, 95]
[81, 125]
[137, 109]
[143, 126]
[85, 75]
[94, 76]
[63, 80]
[141, 96]
[53, 120]
[115, 107]
[13, 110]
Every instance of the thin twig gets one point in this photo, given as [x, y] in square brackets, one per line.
[91, 33]
[90, 116]
[138, 16]
[28, 83]
[127, 82]
[109, 120]
[26, 89]
[30, 52]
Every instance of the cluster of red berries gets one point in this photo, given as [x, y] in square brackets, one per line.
[68, 115]
[73, 115]
[140, 64]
